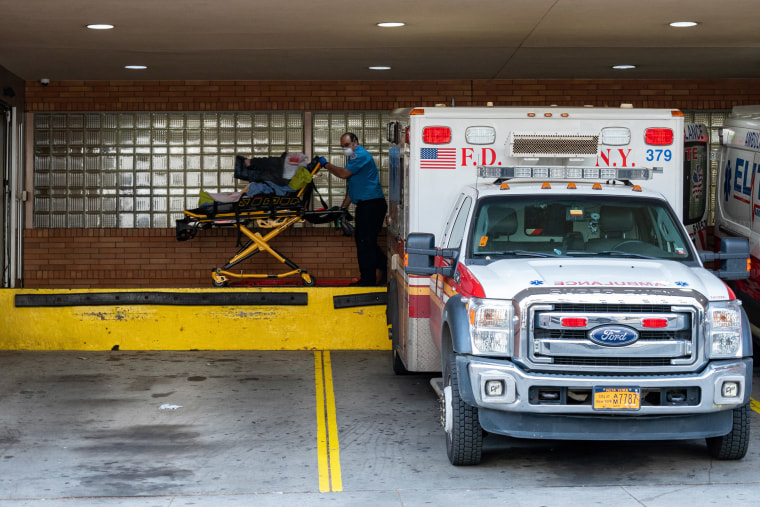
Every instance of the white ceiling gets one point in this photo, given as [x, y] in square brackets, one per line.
[338, 39]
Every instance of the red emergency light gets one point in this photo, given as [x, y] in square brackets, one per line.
[574, 321]
[436, 135]
[654, 322]
[658, 136]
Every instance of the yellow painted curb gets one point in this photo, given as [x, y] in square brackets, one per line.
[317, 326]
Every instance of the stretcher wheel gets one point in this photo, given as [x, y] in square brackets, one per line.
[219, 280]
[308, 280]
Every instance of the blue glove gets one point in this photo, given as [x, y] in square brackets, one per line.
[322, 161]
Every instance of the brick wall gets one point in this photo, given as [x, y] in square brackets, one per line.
[383, 95]
[134, 258]
[139, 258]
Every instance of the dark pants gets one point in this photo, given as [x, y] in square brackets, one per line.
[369, 222]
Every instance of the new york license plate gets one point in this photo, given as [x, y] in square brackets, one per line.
[617, 398]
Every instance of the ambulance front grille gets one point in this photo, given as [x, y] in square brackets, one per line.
[666, 350]
[553, 145]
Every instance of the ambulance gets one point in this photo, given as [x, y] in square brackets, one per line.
[538, 258]
[737, 195]
[696, 181]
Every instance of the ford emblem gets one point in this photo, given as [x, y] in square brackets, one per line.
[613, 336]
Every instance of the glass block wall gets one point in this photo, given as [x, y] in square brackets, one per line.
[104, 170]
[141, 170]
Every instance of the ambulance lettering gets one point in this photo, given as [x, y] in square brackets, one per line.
[752, 140]
[695, 132]
[741, 180]
[487, 157]
[615, 158]
[579, 283]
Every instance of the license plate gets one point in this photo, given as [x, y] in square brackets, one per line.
[617, 398]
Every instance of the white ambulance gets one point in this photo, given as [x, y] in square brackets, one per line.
[737, 195]
[539, 259]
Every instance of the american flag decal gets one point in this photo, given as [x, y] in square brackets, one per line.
[438, 158]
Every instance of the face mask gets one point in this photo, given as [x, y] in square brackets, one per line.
[348, 152]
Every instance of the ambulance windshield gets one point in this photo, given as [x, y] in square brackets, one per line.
[577, 227]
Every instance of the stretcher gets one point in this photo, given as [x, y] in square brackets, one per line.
[271, 212]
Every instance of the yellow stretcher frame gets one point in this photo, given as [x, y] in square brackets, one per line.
[271, 212]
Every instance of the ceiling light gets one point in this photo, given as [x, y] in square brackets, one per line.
[623, 67]
[380, 67]
[390, 24]
[135, 67]
[683, 24]
[101, 26]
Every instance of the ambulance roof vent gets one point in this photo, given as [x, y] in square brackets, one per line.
[553, 144]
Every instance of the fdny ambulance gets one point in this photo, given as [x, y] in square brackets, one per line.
[737, 194]
[539, 259]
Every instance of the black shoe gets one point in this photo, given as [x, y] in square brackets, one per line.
[361, 283]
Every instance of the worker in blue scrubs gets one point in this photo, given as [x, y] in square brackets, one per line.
[365, 192]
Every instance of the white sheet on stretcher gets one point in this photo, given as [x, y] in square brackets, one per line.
[226, 196]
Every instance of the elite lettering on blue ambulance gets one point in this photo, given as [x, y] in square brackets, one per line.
[742, 180]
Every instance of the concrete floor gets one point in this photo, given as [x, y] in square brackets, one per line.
[241, 428]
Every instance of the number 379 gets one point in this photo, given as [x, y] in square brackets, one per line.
[658, 155]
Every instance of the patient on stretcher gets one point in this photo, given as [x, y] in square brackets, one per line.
[278, 176]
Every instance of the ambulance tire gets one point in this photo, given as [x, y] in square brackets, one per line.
[734, 445]
[393, 321]
[464, 436]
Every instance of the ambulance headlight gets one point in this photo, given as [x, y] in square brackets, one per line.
[723, 330]
[492, 325]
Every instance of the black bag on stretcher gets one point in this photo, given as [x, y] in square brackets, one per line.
[278, 170]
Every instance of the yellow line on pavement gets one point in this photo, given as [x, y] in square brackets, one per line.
[755, 405]
[328, 447]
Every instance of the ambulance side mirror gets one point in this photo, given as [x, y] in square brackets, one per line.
[421, 253]
[733, 257]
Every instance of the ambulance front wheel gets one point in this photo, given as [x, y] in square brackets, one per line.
[464, 436]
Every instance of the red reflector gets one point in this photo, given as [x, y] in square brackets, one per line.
[436, 135]
[658, 137]
[654, 322]
[469, 286]
[574, 322]
[731, 293]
